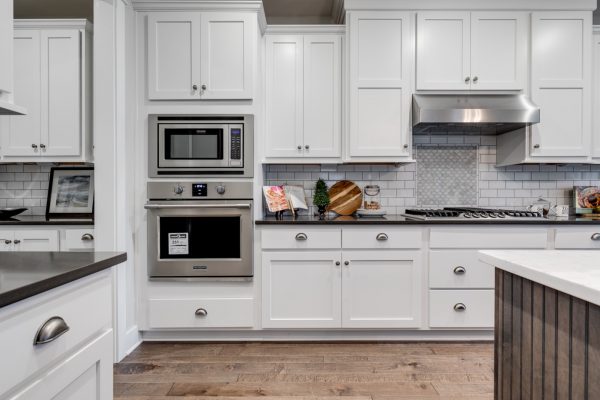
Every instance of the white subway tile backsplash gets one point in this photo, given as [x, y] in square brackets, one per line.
[25, 185]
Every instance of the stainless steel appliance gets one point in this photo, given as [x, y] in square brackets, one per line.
[200, 145]
[472, 213]
[199, 229]
[482, 113]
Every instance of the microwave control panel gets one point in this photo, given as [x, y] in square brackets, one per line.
[236, 146]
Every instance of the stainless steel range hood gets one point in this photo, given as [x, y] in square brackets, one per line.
[490, 114]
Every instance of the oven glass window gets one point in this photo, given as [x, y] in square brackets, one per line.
[199, 237]
[193, 144]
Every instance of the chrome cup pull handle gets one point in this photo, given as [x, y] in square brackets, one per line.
[460, 307]
[302, 237]
[460, 270]
[201, 312]
[595, 236]
[382, 237]
[86, 237]
[50, 331]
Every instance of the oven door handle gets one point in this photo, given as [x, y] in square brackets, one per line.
[159, 206]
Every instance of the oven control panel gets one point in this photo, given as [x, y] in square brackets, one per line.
[199, 189]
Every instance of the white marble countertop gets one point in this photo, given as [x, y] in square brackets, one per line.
[573, 272]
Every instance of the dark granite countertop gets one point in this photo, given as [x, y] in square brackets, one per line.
[400, 220]
[41, 220]
[25, 274]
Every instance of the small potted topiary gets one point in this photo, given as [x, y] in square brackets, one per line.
[321, 198]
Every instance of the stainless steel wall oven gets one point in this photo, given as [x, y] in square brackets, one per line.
[200, 145]
[200, 229]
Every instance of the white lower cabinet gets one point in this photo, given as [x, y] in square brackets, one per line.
[201, 313]
[461, 308]
[301, 289]
[381, 289]
[29, 240]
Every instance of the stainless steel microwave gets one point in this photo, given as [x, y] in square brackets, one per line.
[200, 145]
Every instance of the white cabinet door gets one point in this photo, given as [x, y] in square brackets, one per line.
[174, 56]
[61, 93]
[285, 60]
[36, 240]
[596, 100]
[6, 240]
[87, 374]
[561, 83]
[498, 50]
[443, 50]
[301, 289]
[227, 56]
[380, 84]
[322, 96]
[381, 289]
[22, 134]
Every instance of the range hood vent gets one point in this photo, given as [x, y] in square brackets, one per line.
[472, 114]
[7, 108]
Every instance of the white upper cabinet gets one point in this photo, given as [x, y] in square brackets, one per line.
[195, 56]
[304, 97]
[596, 100]
[459, 50]
[561, 67]
[380, 86]
[443, 50]
[6, 47]
[53, 81]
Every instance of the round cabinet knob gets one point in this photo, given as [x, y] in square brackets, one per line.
[337, 263]
[536, 146]
[460, 270]
[299, 147]
[34, 146]
[203, 87]
[346, 262]
[307, 147]
[178, 189]
[195, 87]
[17, 241]
[201, 312]
[475, 79]
[460, 307]
[220, 189]
[7, 241]
[406, 146]
[467, 79]
[42, 146]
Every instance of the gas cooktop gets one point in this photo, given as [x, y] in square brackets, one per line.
[461, 213]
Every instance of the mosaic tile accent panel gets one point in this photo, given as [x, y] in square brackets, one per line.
[446, 175]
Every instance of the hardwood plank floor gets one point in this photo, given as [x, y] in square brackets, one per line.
[307, 371]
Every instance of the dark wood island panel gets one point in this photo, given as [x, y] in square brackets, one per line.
[547, 343]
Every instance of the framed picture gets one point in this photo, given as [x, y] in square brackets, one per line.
[586, 199]
[71, 193]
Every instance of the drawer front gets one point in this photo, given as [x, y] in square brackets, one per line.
[78, 240]
[301, 238]
[85, 306]
[445, 308]
[577, 238]
[489, 238]
[201, 313]
[459, 269]
[382, 238]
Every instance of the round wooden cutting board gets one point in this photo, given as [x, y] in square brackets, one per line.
[345, 198]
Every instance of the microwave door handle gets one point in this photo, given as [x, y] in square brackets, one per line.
[158, 206]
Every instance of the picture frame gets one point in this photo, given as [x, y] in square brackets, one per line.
[70, 193]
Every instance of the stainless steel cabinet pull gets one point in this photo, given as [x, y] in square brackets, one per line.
[201, 312]
[34, 146]
[467, 79]
[307, 147]
[406, 146]
[50, 331]
[475, 79]
[195, 87]
[17, 241]
[43, 146]
[596, 236]
[87, 237]
[159, 206]
[536, 146]
[459, 307]
[346, 262]
[301, 236]
[460, 270]
[382, 237]
[203, 87]
[6, 241]
[299, 147]
[337, 263]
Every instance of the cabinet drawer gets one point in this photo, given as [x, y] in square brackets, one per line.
[577, 238]
[85, 306]
[78, 240]
[301, 238]
[381, 238]
[457, 269]
[489, 238]
[201, 313]
[444, 308]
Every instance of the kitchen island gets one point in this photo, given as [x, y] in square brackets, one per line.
[56, 324]
[547, 323]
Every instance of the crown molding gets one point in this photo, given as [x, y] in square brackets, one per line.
[53, 24]
[305, 29]
[538, 5]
